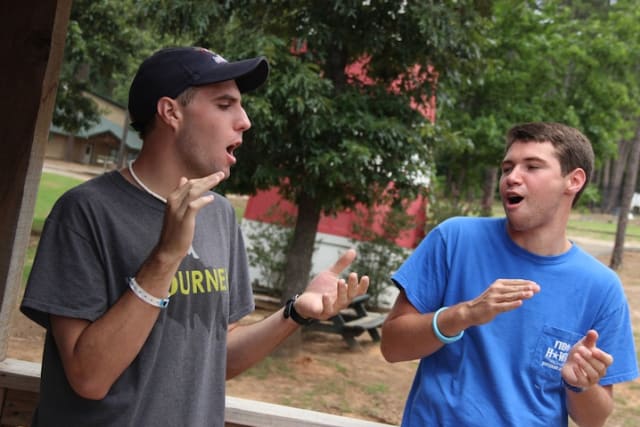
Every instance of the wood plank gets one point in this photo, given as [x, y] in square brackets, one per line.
[32, 36]
[252, 413]
[20, 375]
[18, 408]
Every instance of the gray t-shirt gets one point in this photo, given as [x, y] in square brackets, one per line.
[96, 236]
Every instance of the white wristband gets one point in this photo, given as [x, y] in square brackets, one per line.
[146, 296]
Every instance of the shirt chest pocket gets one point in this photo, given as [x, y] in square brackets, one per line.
[551, 352]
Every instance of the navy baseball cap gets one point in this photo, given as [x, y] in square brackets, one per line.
[170, 71]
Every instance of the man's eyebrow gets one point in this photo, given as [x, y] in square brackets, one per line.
[531, 159]
[535, 159]
[526, 159]
[226, 97]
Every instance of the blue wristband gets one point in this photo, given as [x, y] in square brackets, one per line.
[443, 338]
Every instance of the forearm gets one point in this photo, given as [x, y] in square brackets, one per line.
[592, 407]
[105, 348]
[410, 336]
[95, 354]
[248, 344]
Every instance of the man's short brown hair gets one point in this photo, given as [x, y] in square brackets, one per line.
[572, 148]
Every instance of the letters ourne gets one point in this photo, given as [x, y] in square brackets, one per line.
[191, 282]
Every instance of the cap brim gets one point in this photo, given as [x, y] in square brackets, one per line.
[249, 74]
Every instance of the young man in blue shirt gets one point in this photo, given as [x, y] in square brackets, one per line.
[517, 325]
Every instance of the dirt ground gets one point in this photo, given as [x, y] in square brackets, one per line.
[328, 377]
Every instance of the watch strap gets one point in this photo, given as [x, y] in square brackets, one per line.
[573, 388]
[290, 312]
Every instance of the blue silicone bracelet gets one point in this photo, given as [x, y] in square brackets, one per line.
[443, 338]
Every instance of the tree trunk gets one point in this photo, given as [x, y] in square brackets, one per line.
[625, 205]
[618, 168]
[605, 183]
[298, 266]
[488, 190]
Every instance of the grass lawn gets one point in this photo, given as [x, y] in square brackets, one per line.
[52, 186]
[603, 227]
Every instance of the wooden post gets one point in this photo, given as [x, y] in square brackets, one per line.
[32, 36]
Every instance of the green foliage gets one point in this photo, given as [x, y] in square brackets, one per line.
[317, 130]
[443, 205]
[378, 259]
[548, 61]
[589, 199]
[102, 50]
[269, 243]
[378, 254]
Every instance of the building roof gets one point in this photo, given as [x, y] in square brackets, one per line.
[105, 125]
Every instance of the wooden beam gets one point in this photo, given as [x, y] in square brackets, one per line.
[20, 375]
[32, 36]
[20, 381]
[19, 391]
[252, 413]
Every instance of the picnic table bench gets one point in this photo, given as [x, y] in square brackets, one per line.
[352, 322]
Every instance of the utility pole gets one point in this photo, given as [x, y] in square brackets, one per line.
[120, 161]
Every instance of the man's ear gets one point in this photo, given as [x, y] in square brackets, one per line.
[576, 179]
[168, 111]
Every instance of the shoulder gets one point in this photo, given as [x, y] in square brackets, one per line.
[86, 192]
[89, 192]
[221, 202]
[93, 201]
[592, 266]
[457, 225]
[459, 232]
[222, 208]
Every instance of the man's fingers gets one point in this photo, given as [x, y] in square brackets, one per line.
[590, 339]
[343, 262]
[343, 294]
[192, 189]
[519, 285]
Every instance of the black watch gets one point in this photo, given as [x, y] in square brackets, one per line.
[573, 388]
[290, 312]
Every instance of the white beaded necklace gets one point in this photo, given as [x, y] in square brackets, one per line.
[192, 251]
[141, 184]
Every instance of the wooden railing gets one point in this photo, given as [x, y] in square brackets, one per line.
[19, 388]
[20, 384]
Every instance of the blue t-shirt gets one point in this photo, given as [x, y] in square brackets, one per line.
[507, 372]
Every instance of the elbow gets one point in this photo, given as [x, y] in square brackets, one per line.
[389, 355]
[90, 392]
[88, 387]
[388, 349]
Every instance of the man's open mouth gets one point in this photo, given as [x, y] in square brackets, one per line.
[514, 199]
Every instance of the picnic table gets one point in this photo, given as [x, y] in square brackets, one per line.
[352, 322]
